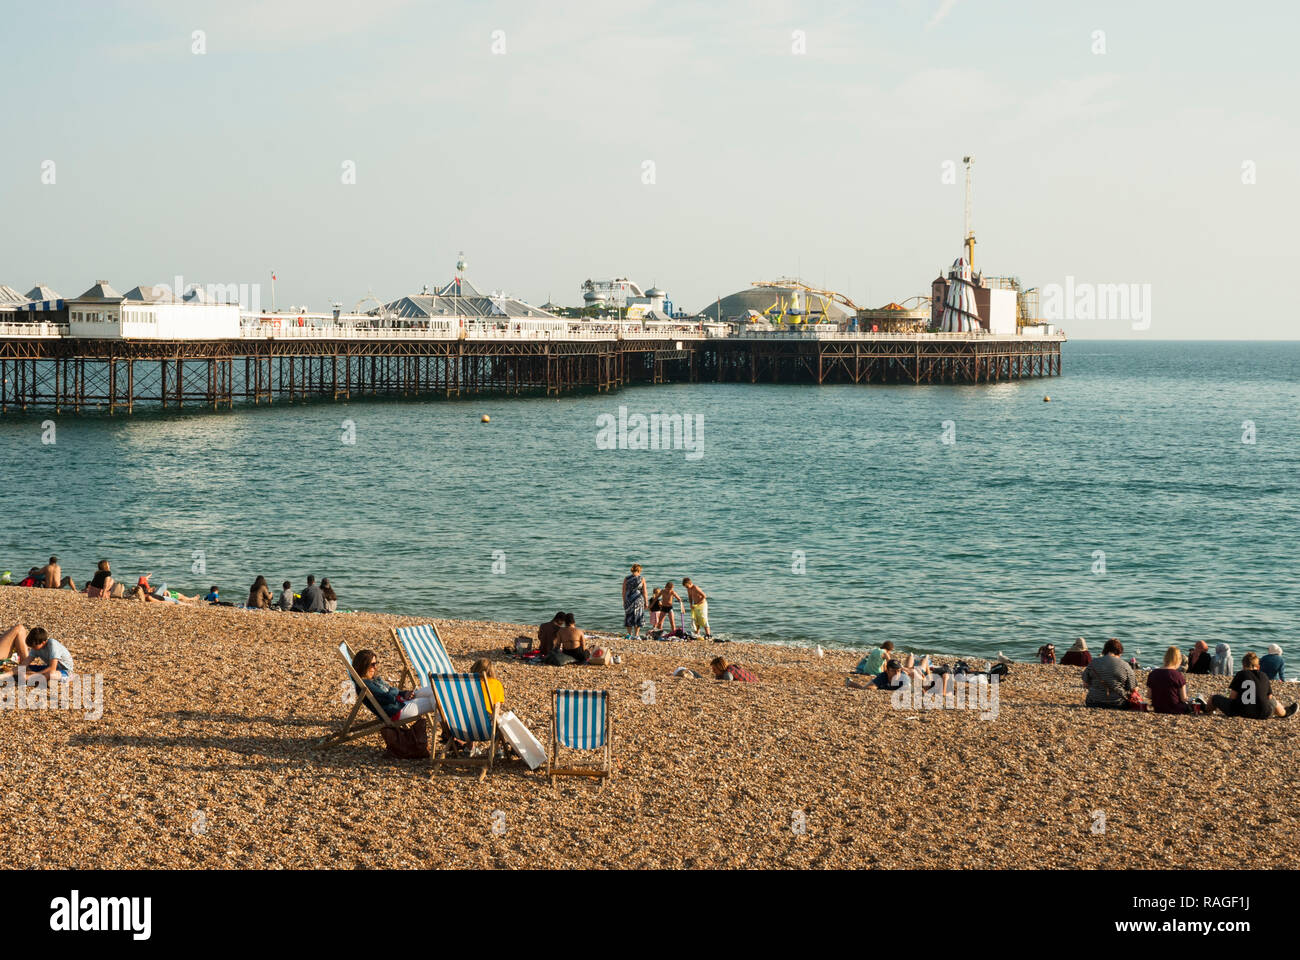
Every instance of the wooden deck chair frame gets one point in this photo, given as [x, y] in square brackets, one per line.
[351, 730]
[442, 750]
[409, 672]
[604, 771]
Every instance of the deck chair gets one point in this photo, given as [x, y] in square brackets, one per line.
[465, 716]
[351, 730]
[422, 652]
[580, 720]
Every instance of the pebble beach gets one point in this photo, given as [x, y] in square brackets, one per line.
[204, 757]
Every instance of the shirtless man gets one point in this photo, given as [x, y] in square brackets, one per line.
[547, 631]
[572, 641]
[699, 608]
[53, 574]
[666, 597]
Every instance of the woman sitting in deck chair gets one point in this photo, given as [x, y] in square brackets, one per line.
[397, 704]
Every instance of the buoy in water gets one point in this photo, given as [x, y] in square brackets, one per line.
[1047, 399]
[486, 418]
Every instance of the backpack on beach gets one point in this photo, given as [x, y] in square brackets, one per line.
[409, 742]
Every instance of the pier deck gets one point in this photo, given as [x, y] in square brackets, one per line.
[41, 367]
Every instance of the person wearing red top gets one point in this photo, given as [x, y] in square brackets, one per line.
[731, 671]
[1168, 685]
[1077, 655]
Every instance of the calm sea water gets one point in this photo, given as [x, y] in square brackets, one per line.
[984, 544]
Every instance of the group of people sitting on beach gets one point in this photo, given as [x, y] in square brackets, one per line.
[1111, 681]
[638, 601]
[315, 598]
[560, 642]
[885, 670]
[102, 585]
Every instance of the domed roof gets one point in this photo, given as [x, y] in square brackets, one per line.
[736, 306]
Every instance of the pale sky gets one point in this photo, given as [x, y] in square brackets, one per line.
[1119, 167]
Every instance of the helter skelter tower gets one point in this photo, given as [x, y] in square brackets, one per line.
[960, 313]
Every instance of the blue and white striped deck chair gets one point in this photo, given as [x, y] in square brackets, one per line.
[422, 651]
[462, 705]
[580, 720]
[351, 730]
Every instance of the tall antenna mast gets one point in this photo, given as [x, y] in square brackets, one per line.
[970, 233]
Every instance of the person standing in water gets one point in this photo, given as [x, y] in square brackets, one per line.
[666, 598]
[699, 608]
[635, 600]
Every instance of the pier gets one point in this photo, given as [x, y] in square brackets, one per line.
[43, 367]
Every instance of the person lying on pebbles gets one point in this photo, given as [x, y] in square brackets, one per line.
[731, 671]
[891, 678]
[148, 594]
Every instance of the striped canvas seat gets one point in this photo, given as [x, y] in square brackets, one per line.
[465, 715]
[423, 651]
[463, 706]
[580, 720]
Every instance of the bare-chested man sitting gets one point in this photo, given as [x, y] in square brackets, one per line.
[53, 574]
[572, 641]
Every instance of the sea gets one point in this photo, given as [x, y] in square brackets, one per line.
[1153, 498]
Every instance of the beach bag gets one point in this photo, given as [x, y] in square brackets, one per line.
[600, 657]
[1135, 702]
[409, 742]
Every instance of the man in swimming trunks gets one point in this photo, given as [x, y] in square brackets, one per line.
[699, 608]
[666, 598]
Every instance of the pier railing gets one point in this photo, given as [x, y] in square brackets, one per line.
[595, 332]
[471, 331]
[820, 335]
[33, 330]
[491, 332]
